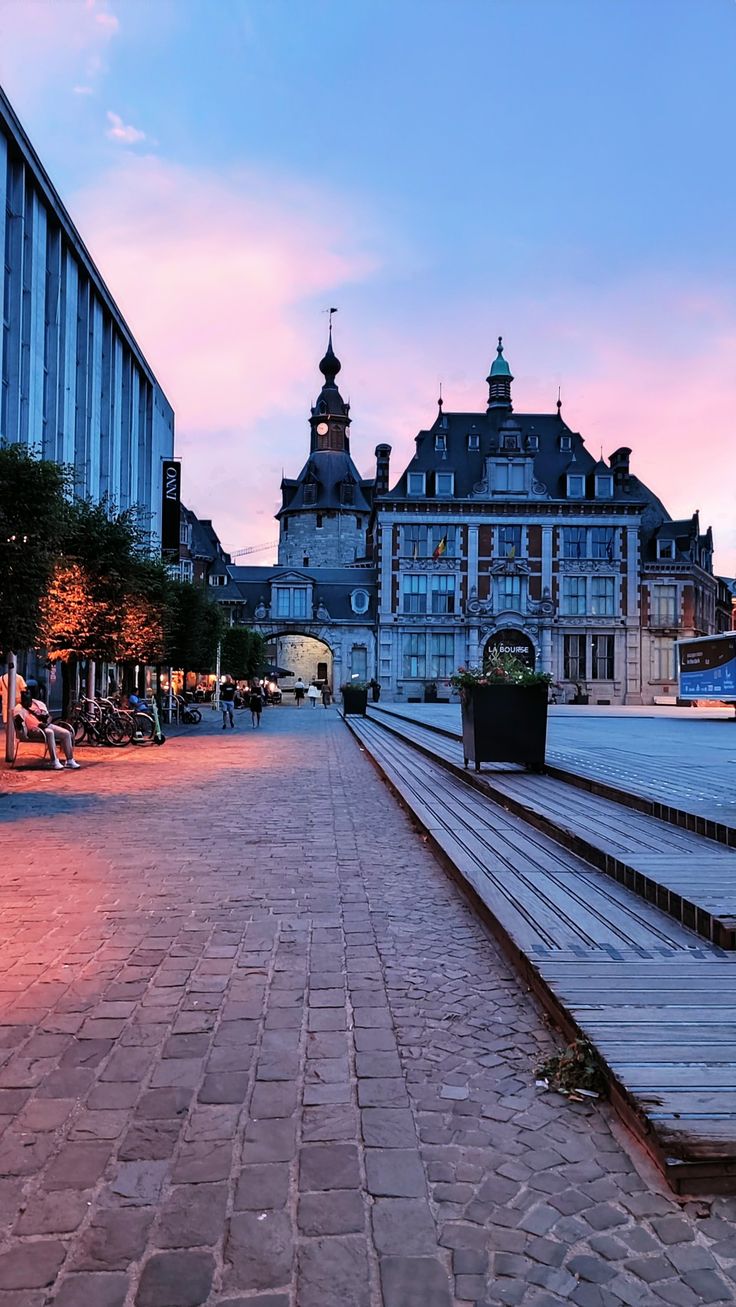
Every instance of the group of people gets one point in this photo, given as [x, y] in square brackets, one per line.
[32, 720]
[255, 699]
[313, 693]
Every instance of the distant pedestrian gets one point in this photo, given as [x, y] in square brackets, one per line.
[313, 694]
[255, 703]
[227, 702]
[299, 689]
[326, 696]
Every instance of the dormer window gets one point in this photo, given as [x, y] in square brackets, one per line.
[440, 443]
[347, 493]
[473, 440]
[310, 493]
[575, 485]
[665, 549]
[416, 483]
[604, 487]
[510, 442]
[444, 483]
[532, 442]
[322, 406]
[566, 443]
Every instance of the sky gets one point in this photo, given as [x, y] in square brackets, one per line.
[560, 172]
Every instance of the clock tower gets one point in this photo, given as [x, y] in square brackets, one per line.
[324, 511]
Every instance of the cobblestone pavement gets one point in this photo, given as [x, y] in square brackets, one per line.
[256, 1049]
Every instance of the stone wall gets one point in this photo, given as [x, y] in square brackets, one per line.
[336, 543]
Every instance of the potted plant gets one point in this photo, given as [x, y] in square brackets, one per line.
[355, 698]
[504, 712]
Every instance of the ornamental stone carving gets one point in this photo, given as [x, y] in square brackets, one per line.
[588, 565]
[261, 610]
[322, 613]
[510, 567]
[543, 607]
[429, 564]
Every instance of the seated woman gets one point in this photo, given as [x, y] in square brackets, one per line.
[34, 717]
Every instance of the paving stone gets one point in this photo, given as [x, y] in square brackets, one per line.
[31, 1265]
[403, 1226]
[192, 1216]
[333, 1272]
[175, 1280]
[259, 1251]
[591, 1268]
[202, 1160]
[224, 1087]
[113, 1240]
[262, 1185]
[394, 1172]
[59, 1212]
[270, 1141]
[150, 1141]
[92, 1290]
[338, 1212]
[329, 1123]
[414, 1282]
[328, 1166]
[138, 1184]
[273, 1100]
[77, 1166]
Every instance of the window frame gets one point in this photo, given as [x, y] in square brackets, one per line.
[656, 594]
[503, 601]
[414, 586]
[444, 494]
[607, 657]
[441, 662]
[416, 476]
[575, 661]
[568, 608]
[360, 611]
[414, 646]
[603, 592]
[443, 585]
[577, 477]
[604, 494]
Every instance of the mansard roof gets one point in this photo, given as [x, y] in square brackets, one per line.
[331, 586]
[546, 438]
[327, 471]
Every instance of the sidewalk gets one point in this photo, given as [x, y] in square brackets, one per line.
[256, 1049]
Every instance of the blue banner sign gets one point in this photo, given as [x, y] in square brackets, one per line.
[707, 667]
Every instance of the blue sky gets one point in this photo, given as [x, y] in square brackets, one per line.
[558, 171]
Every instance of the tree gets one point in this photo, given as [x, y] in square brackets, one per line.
[32, 512]
[243, 652]
[100, 567]
[194, 627]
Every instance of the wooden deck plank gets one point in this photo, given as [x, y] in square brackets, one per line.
[659, 1004]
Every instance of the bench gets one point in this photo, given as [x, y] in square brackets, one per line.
[23, 736]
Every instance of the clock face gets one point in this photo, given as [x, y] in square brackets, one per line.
[322, 428]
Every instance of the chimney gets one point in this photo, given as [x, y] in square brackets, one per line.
[619, 461]
[383, 454]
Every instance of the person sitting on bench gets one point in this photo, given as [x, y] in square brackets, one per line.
[34, 717]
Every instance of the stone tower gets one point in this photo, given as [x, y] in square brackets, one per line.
[324, 512]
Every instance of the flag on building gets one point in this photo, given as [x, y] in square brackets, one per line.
[441, 548]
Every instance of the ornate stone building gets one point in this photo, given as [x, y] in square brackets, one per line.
[502, 532]
[505, 532]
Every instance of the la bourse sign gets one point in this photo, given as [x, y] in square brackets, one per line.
[511, 642]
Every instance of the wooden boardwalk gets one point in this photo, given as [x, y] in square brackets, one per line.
[679, 770]
[688, 876]
[658, 1002]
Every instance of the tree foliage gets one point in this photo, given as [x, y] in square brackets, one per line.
[243, 652]
[32, 514]
[193, 628]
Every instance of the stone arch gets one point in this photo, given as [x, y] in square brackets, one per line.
[304, 654]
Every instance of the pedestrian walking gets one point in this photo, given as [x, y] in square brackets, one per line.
[255, 703]
[34, 716]
[299, 689]
[227, 702]
[313, 694]
[326, 696]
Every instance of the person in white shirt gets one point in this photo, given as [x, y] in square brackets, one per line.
[35, 717]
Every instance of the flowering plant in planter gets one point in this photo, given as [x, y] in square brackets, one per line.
[499, 670]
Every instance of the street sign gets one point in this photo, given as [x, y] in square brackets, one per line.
[707, 667]
[514, 643]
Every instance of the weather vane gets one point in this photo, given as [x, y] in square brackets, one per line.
[330, 311]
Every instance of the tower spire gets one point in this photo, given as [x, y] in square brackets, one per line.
[499, 381]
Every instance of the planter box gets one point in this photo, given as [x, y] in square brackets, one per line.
[354, 702]
[505, 724]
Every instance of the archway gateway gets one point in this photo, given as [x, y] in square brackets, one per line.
[303, 656]
[511, 642]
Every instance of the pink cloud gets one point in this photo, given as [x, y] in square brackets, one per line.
[39, 39]
[120, 131]
[221, 278]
